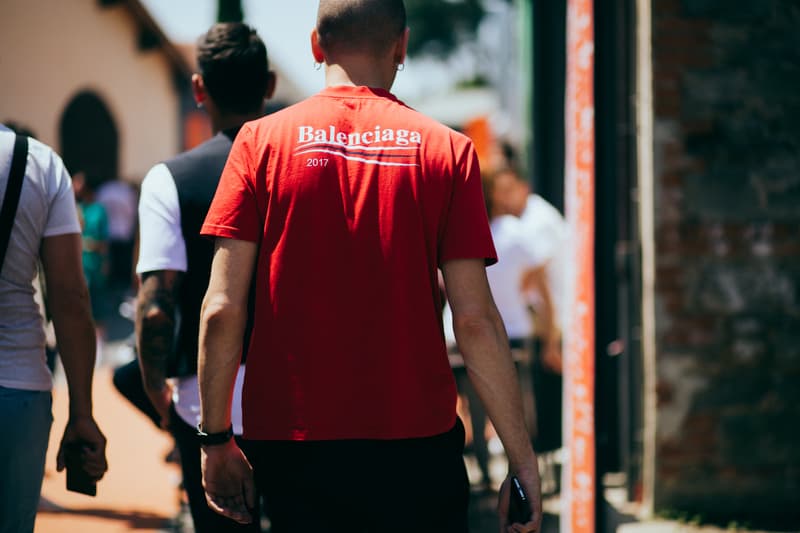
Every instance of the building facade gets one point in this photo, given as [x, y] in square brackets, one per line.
[97, 80]
[727, 234]
[697, 247]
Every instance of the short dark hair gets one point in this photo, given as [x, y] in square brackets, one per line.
[235, 68]
[360, 25]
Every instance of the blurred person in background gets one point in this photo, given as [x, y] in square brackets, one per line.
[546, 232]
[519, 272]
[119, 200]
[342, 208]
[42, 225]
[94, 234]
[174, 263]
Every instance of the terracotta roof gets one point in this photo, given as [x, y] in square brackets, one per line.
[189, 53]
[151, 35]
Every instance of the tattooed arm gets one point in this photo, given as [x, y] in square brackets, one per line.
[155, 334]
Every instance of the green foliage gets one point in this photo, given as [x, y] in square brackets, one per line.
[474, 82]
[229, 11]
[439, 26]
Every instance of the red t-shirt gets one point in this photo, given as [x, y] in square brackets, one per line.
[355, 201]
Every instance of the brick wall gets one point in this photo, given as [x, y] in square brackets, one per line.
[727, 152]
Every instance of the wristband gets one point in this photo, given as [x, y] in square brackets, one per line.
[214, 439]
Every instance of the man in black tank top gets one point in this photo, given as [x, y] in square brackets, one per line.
[233, 82]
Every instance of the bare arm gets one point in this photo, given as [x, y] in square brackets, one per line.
[227, 476]
[72, 317]
[155, 334]
[483, 343]
[222, 322]
[536, 280]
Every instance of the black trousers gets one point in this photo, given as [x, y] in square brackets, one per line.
[205, 519]
[362, 486]
[128, 381]
[547, 388]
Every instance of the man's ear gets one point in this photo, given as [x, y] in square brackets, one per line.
[316, 48]
[272, 81]
[401, 48]
[199, 89]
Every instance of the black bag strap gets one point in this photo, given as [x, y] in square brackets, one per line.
[15, 178]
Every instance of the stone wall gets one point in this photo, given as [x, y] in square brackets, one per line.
[727, 153]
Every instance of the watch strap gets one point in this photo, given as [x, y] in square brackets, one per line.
[214, 439]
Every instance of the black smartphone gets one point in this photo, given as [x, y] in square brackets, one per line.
[77, 478]
[519, 507]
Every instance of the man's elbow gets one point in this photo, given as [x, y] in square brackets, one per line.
[220, 311]
[155, 318]
[69, 300]
[474, 326]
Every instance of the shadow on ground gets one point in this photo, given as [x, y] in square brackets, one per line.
[130, 520]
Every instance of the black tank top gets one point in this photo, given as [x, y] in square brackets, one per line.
[196, 174]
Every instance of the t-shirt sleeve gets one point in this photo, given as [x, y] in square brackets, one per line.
[62, 218]
[161, 243]
[466, 229]
[234, 210]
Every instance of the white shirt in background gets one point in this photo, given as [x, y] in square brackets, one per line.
[119, 200]
[547, 234]
[515, 256]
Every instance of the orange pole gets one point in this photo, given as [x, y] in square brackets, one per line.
[579, 438]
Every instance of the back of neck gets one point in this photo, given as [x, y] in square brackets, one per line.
[357, 74]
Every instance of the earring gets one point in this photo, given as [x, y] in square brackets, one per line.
[317, 66]
[401, 67]
[199, 105]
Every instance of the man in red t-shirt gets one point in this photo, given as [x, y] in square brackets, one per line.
[341, 209]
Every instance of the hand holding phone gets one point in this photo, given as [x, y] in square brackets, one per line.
[519, 506]
[77, 478]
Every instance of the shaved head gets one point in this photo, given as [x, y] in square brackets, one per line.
[346, 26]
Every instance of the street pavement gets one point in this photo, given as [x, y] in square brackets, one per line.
[141, 490]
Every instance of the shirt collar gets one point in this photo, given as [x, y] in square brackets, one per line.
[360, 91]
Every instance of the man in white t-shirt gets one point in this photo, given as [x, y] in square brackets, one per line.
[175, 261]
[45, 228]
[519, 269]
[545, 233]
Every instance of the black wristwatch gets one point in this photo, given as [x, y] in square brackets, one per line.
[214, 439]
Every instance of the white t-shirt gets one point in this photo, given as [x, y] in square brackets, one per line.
[547, 234]
[162, 247]
[119, 200]
[46, 209]
[515, 256]
[161, 244]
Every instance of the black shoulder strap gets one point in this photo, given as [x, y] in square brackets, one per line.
[13, 189]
